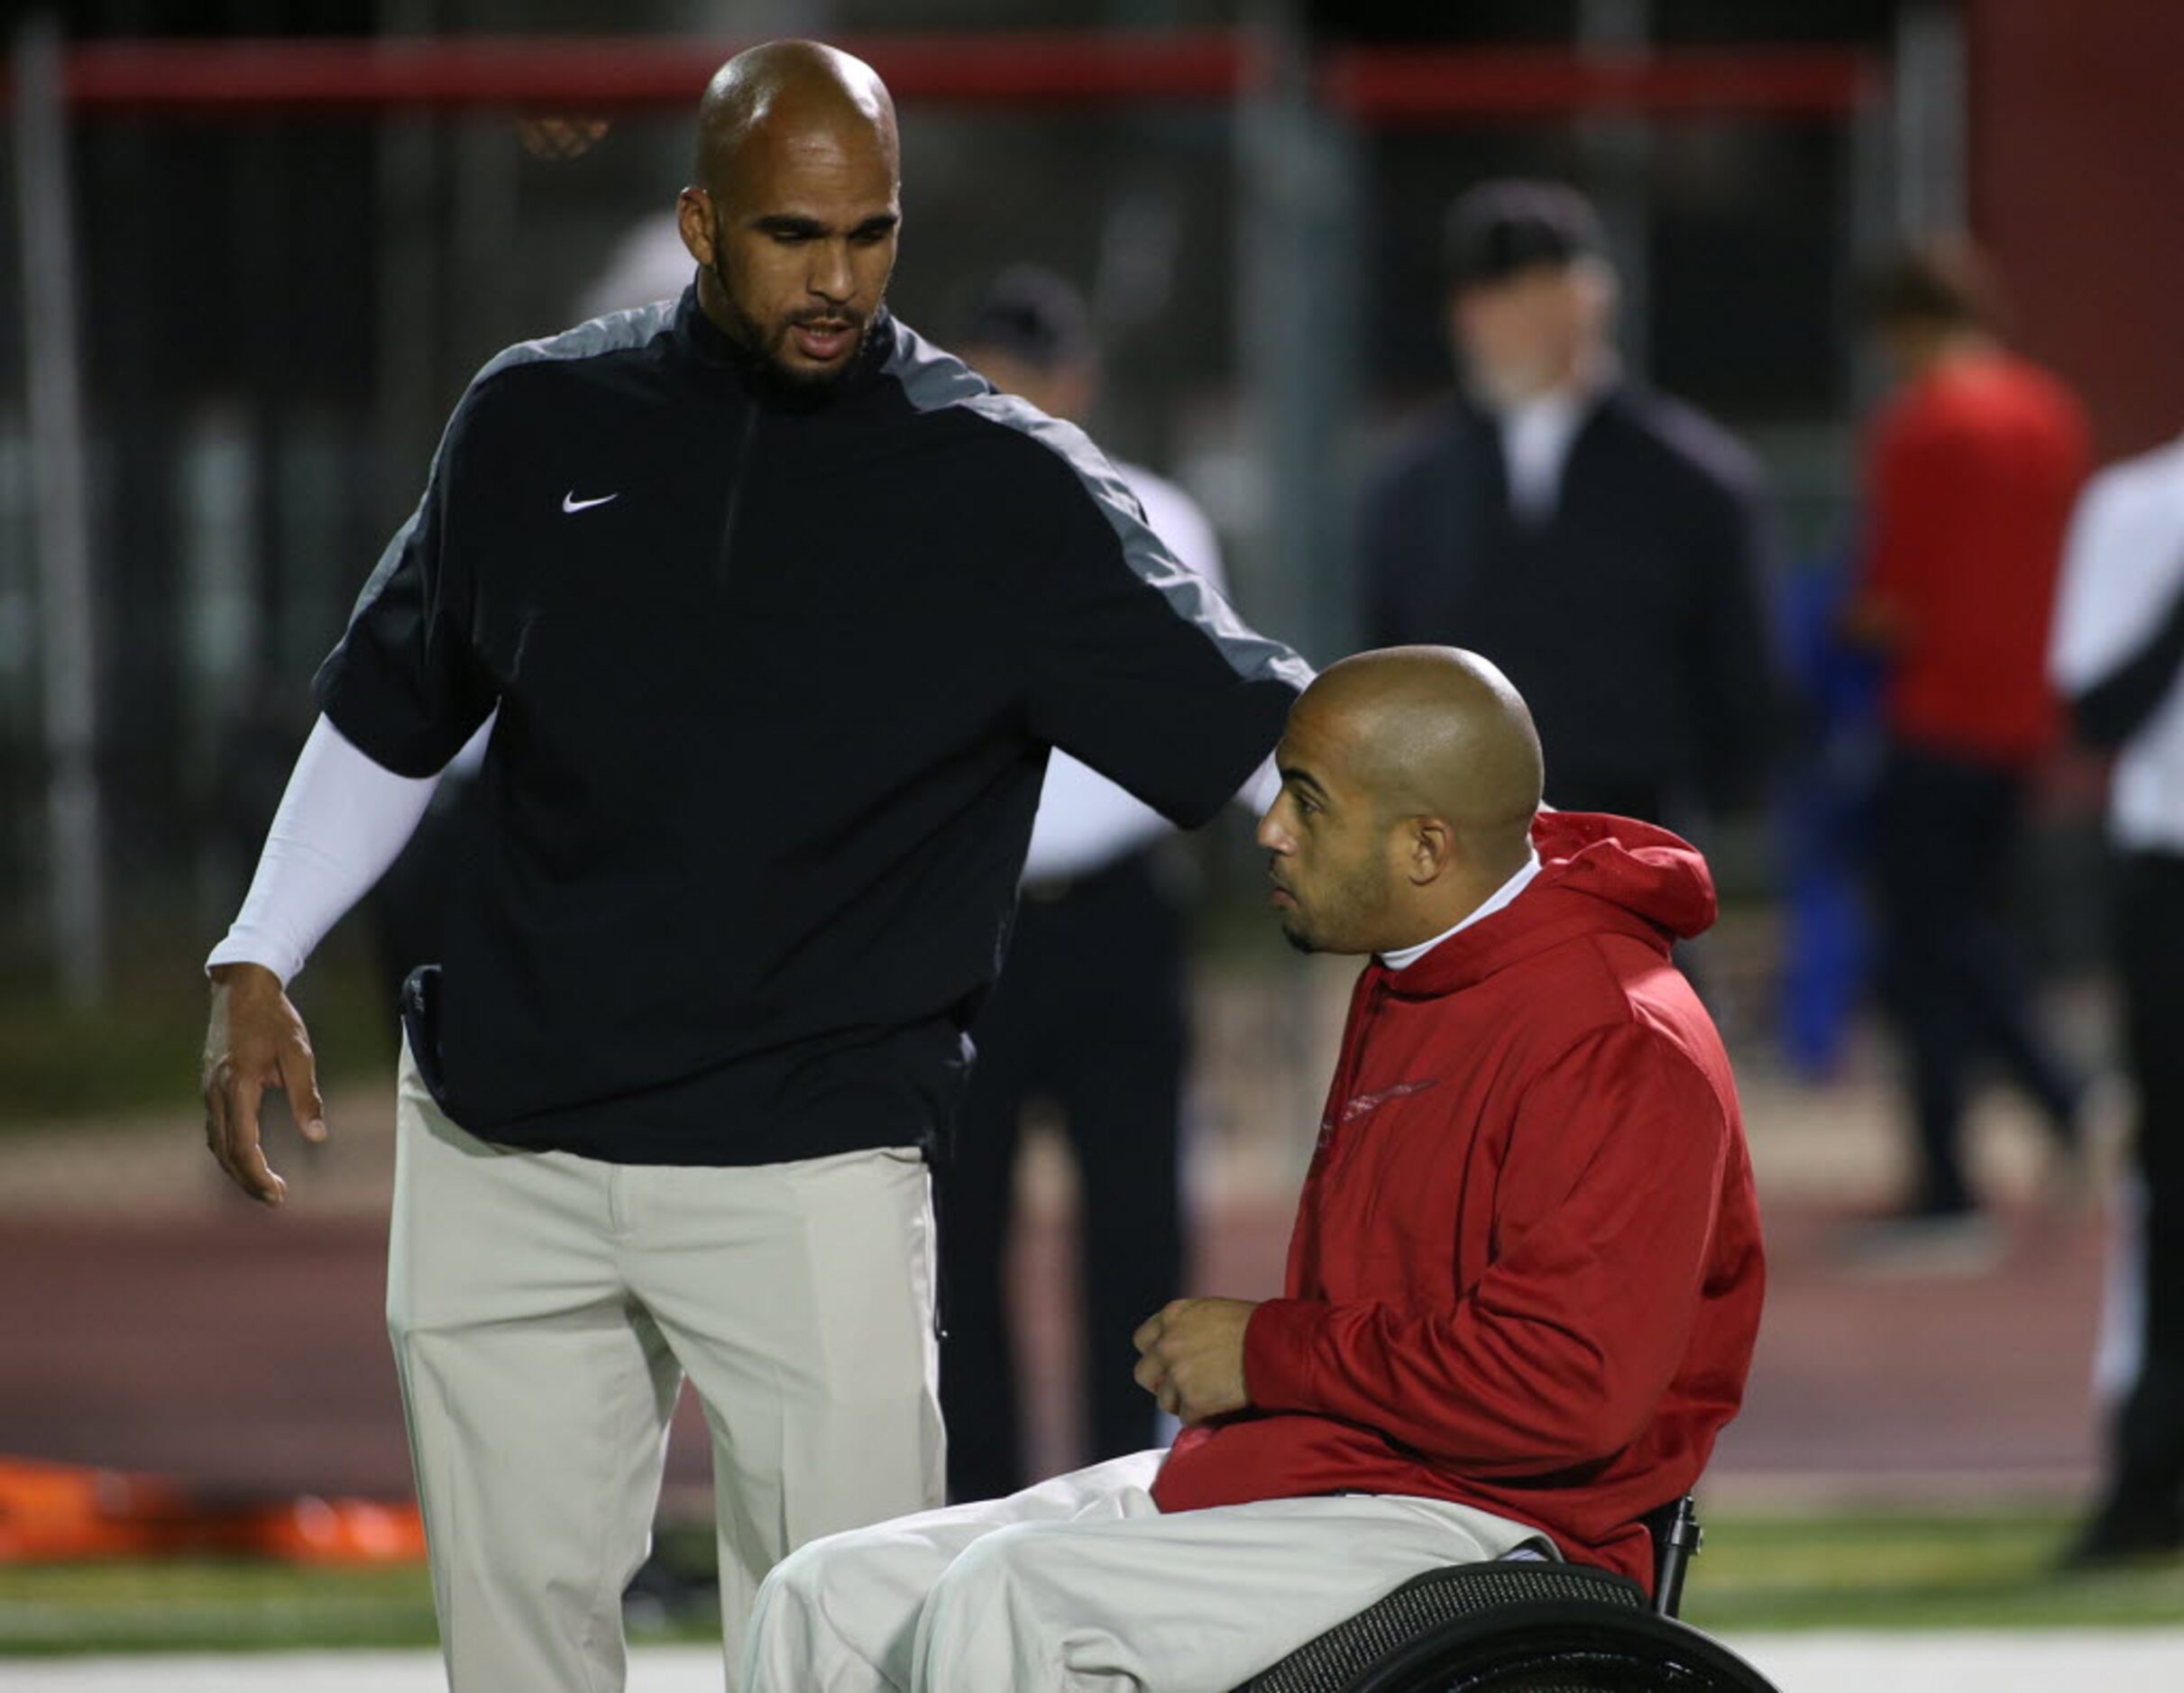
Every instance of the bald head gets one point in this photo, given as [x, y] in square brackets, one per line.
[1410, 778]
[1435, 730]
[790, 95]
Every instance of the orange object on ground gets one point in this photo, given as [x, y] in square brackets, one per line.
[53, 1512]
[314, 1530]
[56, 1513]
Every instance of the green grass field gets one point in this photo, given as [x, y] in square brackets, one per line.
[1988, 1569]
[204, 1605]
[1964, 1570]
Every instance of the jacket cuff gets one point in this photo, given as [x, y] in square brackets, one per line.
[1279, 1345]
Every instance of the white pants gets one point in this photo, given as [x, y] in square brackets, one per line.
[544, 1309]
[1082, 1583]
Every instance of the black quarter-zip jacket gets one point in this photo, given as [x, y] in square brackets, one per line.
[776, 684]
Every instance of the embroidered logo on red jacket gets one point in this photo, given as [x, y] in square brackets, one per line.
[1365, 1104]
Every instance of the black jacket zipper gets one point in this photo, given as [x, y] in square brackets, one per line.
[746, 443]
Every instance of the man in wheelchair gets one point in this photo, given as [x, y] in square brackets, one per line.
[1523, 1284]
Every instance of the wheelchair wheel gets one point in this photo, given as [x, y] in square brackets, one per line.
[1563, 1646]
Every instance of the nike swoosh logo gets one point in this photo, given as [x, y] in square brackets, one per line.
[569, 502]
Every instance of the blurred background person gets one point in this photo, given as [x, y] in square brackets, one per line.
[1823, 797]
[2118, 658]
[1091, 1011]
[1972, 468]
[1600, 543]
[647, 263]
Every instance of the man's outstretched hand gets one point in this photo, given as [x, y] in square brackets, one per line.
[255, 1042]
[1190, 1356]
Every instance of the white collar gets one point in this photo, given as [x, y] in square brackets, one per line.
[1558, 409]
[1567, 403]
[1537, 438]
[1404, 957]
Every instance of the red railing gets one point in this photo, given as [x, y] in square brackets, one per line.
[1374, 85]
[618, 72]
[1433, 84]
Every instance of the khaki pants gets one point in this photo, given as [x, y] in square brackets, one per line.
[545, 1308]
[1083, 1583]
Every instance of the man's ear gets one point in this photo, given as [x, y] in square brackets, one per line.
[693, 220]
[1429, 850]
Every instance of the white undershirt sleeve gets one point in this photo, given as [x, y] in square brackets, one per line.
[342, 821]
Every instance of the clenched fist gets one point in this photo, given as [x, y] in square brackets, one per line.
[1190, 1356]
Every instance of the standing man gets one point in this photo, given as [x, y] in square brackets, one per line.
[1091, 1011]
[1522, 1289]
[1602, 543]
[781, 609]
[1973, 468]
[2118, 658]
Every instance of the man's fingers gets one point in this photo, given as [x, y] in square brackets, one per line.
[1155, 1325]
[299, 1076]
[215, 1120]
[246, 1161]
[216, 1129]
[221, 1109]
[253, 1042]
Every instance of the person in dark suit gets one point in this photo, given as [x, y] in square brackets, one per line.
[1600, 543]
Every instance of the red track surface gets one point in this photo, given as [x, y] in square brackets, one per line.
[242, 1353]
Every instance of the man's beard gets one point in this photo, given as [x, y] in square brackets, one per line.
[762, 357]
[1344, 908]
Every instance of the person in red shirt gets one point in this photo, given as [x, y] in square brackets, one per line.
[1975, 466]
[1522, 1290]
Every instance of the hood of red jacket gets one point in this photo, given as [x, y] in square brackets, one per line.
[1598, 875]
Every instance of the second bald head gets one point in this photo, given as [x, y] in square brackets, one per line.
[1436, 730]
[1409, 781]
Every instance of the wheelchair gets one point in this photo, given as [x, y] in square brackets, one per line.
[1513, 1626]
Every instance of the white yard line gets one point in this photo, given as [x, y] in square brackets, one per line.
[2041, 1660]
[2114, 1661]
[652, 1670]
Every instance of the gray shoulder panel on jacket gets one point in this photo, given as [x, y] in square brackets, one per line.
[617, 332]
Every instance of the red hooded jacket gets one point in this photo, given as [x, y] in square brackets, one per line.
[1525, 1273]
